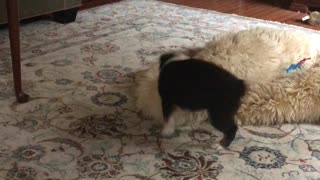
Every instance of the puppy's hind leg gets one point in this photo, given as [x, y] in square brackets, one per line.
[169, 128]
[169, 123]
[224, 122]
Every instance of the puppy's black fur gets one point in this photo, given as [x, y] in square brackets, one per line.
[195, 84]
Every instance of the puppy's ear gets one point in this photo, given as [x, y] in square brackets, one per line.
[164, 58]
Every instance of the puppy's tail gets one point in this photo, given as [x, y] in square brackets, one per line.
[165, 58]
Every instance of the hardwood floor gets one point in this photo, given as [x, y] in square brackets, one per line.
[262, 9]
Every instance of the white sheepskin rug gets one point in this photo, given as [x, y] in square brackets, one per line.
[260, 57]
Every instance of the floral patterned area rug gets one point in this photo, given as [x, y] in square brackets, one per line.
[81, 122]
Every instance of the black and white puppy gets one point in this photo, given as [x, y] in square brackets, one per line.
[193, 85]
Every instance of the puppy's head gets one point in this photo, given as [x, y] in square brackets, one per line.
[170, 57]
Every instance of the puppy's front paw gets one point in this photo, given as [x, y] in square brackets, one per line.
[167, 132]
[216, 147]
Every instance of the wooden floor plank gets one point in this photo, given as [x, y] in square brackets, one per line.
[261, 9]
[250, 8]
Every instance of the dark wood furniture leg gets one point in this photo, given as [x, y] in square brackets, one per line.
[66, 16]
[13, 21]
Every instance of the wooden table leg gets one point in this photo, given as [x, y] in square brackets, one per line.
[13, 21]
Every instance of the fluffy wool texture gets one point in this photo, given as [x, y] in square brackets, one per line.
[292, 99]
[259, 56]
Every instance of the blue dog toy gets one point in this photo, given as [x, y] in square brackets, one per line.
[293, 67]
